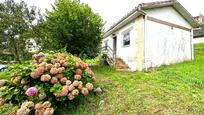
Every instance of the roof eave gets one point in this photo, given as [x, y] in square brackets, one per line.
[139, 11]
[146, 7]
[186, 14]
[123, 23]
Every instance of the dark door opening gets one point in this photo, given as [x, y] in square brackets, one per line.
[114, 44]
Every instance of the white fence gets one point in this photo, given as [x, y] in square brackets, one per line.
[198, 40]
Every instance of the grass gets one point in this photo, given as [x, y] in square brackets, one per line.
[5, 75]
[173, 89]
[94, 61]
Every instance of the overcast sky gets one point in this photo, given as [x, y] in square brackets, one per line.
[112, 10]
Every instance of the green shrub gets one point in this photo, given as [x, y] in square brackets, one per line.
[7, 57]
[38, 86]
[74, 26]
[8, 109]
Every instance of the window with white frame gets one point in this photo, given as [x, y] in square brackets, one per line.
[126, 38]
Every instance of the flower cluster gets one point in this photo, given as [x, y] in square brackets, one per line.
[54, 77]
[80, 67]
[37, 57]
[31, 91]
[2, 101]
[40, 108]
[44, 108]
[42, 96]
[25, 108]
[72, 89]
[2, 83]
[16, 80]
[98, 90]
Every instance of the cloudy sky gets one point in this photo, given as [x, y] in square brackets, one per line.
[112, 10]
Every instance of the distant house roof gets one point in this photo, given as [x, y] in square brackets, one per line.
[199, 19]
[137, 11]
[199, 32]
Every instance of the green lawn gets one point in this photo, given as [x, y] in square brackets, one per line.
[174, 89]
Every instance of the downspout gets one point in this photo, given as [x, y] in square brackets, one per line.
[143, 40]
[144, 34]
[192, 45]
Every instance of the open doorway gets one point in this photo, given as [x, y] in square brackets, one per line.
[114, 44]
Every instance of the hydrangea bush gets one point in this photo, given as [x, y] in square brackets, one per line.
[50, 78]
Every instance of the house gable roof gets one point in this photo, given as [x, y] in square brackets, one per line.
[144, 6]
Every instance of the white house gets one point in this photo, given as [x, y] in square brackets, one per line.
[31, 45]
[152, 34]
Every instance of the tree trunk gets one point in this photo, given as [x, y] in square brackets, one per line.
[17, 57]
[15, 50]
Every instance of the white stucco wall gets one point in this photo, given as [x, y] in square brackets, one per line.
[164, 44]
[168, 14]
[127, 53]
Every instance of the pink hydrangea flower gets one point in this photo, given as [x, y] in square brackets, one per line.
[35, 56]
[41, 54]
[31, 91]
[98, 90]
[89, 86]
[85, 91]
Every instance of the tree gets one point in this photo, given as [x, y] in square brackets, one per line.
[16, 23]
[74, 26]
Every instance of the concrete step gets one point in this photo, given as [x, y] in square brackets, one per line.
[120, 64]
